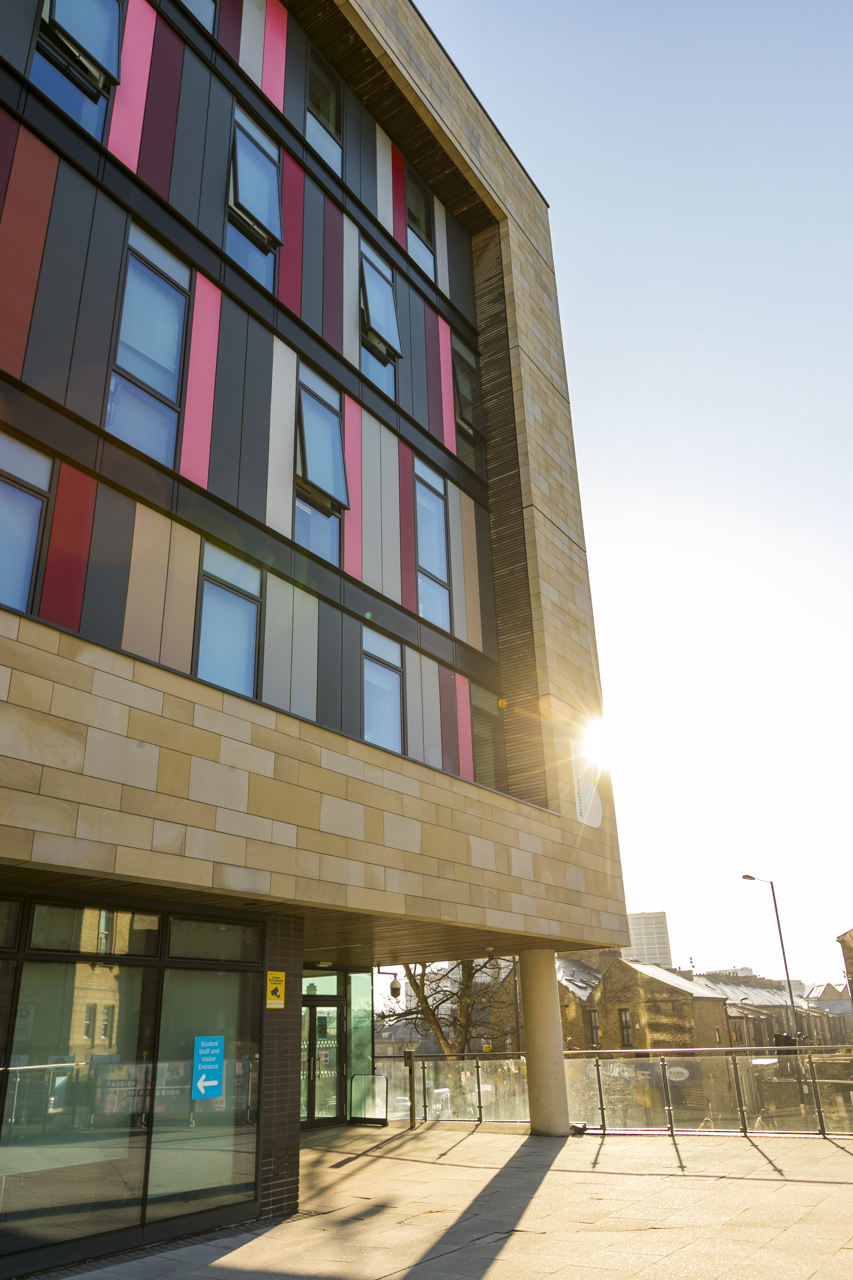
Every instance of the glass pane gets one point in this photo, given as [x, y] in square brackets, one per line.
[368, 1096]
[582, 1091]
[469, 449]
[327, 1064]
[226, 652]
[203, 1147]
[317, 532]
[89, 114]
[633, 1093]
[381, 374]
[232, 569]
[503, 1086]
[94, 931]
[433, 602]
[466, 385]
[397, 1074]
[834, 1074]
[381, 311]
[425, 472]
[421, 254]
[9, 915]
[304, 1064]
[381, 706]
[321, 388]
[256, 189]
[152, 329]
[214, 940]
[324, 459]
[432, 545]
[19, 526]
[324, 144]
[140, 420]
[204, 10]
[361, 1024]
[777, 1092]
[703, 1093]
[93, 25]
[260, 265]
[25, 463]
[451, 1089]
[324, 96]
[419, 203]
[151, 249]
[320, 984]
[487, 754]
[72, 1150]
[378, 261]
[380, 646]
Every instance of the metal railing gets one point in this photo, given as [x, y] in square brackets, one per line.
[741, 1090]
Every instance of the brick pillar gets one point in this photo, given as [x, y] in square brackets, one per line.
[280, 1072]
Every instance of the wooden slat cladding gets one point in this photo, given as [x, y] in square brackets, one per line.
[525, 756]
[364, 73]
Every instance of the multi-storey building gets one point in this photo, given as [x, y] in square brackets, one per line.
[296, 642]
[649, 939]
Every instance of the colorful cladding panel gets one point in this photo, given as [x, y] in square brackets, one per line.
[201, 378]
[68, 549]
[254, 32]
[128, 115]
[160, 121]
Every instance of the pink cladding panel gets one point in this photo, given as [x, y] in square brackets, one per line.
[398, 179]
[129, 105]
[275, 49]
[463, 722]
[201, 381]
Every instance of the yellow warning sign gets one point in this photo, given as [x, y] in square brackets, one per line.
[275, 990]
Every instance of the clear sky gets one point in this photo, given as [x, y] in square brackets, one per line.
[697, 160]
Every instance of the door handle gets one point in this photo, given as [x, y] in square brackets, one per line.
[312, 1069]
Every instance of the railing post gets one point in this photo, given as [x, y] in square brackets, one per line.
[740, 1105]
[820, 1119]
[600, 1095]
[479, 1093]
[410, 1063]
[667, 1098]
[423, 1086]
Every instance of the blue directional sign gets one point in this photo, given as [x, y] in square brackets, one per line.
[208, 1066]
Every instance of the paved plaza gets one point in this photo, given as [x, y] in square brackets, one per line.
[453, 1201]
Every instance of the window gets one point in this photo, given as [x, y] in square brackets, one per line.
[254, 218]
[419, 217]
[214, 940]
[108, 1015]
[595, 1029]
[717, 1034]
[24, 481]
[204, 10]
[76, 61]
[487, 738]
[321, 493]
[383, 680]
[323, 124]
[626, 1028]
[89, 1018]
[145, 397]
[230, 604]
[470, 424]
[433, 595]
[380, 336]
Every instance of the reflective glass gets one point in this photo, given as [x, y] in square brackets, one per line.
[256, 186]
[259, 265]
[323, 143]
[214, 940]
[466, 385]
[633, 1093]
[382, 725]
[834, 1074]
[19, 526]
[421, 254]
[703, 1092]
[160, 257]
[204, 10]
[323, 455]
[72, 1149]
[327, 1062]
[360, 1024]
[319, 984]
[304, 1064]
[226, 653]
[152, 329]
[382, 375]
[503, 1089]
[469, 449]
[89, 114]
[91, 930]
[9, 914]
[232, 569]
[777, 1092]
[582, 1091]
[485, 731]
[381, 647]
[142, 421]
[432, 537]
[25, 463]
[317, 532]
[425, 472]
[93, 25]
[379, 301]
[451, 1089]
[321, 388]
[324, 95]
[419, 205]
[203, 1148]
[433, 602]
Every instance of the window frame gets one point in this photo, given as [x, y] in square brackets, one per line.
[448, 586]
[310, 500]
[478, 714]
[82, 72]
[337, 141]
[46, 497]
[626, 1027]
[372, 342]
[367, 655]
[265, 237]
[304, 488]
[206, 575]
[112, 78]
[595, 1028]
[474, 430]
[413, 178]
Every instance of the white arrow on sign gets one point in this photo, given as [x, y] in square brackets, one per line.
[203, 1083]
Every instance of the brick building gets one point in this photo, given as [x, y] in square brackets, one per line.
[296, 642]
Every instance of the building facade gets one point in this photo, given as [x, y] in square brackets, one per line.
[296, 641]
[649, 939]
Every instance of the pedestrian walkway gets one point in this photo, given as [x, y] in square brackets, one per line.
[452, 1201]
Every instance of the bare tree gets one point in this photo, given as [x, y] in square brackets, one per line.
[455, 1003]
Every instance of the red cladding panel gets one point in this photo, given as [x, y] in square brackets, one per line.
[449, 727]
[408, 555]
[433, 363]
[161, 109]
[68, 550]
[8, 138]
[23, 227]
[333, 275]
[230, 26]
[292, 217]
[398, 178]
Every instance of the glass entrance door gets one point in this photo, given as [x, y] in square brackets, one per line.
[321, 1101]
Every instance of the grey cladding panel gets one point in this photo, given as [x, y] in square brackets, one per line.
[188, 156]
[460, 268]
[368, 161]
[420, 401]
[351, 677]
[90, 359]
[312, 256]
[404, 364]
[217, 151]
[296, 61]
[57, 304]
[105, 595]
[224, 476]
[18, 24]
[352, 141]
[329, 667]
[486, 581]
[255, 443]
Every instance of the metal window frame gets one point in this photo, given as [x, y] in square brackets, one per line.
[111, 77]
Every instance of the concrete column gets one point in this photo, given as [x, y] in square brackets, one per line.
[543, 1044]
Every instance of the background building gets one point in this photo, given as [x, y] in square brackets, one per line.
[649, 939]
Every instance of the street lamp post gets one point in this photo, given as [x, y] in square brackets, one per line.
[782, 945]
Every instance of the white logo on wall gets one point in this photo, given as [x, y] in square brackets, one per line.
[587, 800]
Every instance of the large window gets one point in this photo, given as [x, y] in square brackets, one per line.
[254, 218]
[487, 738]
[145, 390]
[24, 481]
[230, 607]
[433, 593]
[383, 679]
[321, 490]
[380, 334]
[323, 123]
[76, 61]
[420, 241]
[470, 425]
[627, 1028]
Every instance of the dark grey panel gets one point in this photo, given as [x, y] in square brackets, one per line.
[351, 677]
[224, 475]
[217, 150]
[404, 365]
[296, 61]
[420, 402]
[87, 381]
[487, 581]
[18, 23]
[329, 667]
[352, 141]
[105, 596]
[460, 268]
[312, 256]
[57, 304]
[188, 156]
[255, 445]
[368, 161]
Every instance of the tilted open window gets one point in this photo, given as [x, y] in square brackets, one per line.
[254, 218]
[470, 419]
[24, 484]
[321, 488]
[77, 58]
[380, 334]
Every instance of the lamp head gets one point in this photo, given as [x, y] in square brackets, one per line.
[395, 988]
[749, 877]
